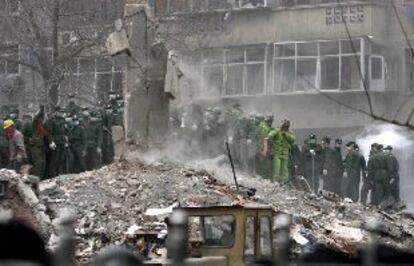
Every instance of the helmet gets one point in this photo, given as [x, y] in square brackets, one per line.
[8, 123]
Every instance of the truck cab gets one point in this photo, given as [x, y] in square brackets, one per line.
[229, 235]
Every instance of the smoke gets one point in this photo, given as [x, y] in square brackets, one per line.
[402, 141]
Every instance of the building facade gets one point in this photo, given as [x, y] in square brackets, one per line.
[319, 63]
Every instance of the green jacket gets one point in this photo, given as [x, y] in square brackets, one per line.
[93, 132]
[282, 142]
[57, 130]
[377, 167]
[77, 137]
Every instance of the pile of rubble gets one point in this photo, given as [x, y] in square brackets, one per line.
[19, 197]
[123, 198]
[126, 197]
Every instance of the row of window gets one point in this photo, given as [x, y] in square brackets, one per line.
[288, 67]
[165, 7]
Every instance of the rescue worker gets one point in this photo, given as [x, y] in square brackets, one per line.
[38, 145]
[352, 173]
[17, 150]
[379, 176]
[77, 145]
[252, 143]
[56, 127]
[27, 131]
[393, 171]
[263, 157]
[72, 108]
[339, 166]
[93, 131]
[282, 140]
[362, 163]
[311, 161]
[329, 171]
[4, 148]
[367, 182]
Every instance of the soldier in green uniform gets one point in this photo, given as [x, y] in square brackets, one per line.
[93, 131]
[107, 143]
[352, 173]
[339, 166]
[56, 126]
[72, 108]
[367, 182]
[4, 148]
[37, 145]
[77, 145]
[378, 174]
[312, 161]
[263, 157]
[329, 171]
[282, 140]
[393, 171]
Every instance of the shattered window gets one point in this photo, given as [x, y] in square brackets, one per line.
[255, 79]
[306, 75]
[376, 68]
[219, 231]
[234, 84]
[250, 241]
[283, 75]
[330, 73]
[265, 236]
[350, 75]
[285, 50]
[10, 61]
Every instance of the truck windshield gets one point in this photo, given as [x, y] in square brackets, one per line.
[214, 231]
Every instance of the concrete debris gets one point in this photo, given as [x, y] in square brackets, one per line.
[21, 197]
[129, 199]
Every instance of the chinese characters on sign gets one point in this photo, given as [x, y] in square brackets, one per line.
[350, 14]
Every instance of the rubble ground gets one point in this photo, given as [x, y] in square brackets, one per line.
[137, 194]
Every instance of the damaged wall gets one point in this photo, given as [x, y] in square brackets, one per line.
[146, 102]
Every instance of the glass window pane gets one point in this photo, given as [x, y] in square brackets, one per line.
[199, 5]
[306, 75]
[284, 50]
[87, 64]
[284, 75]
[86, 87]
[103, 85]
[255, 55]
[255, 79]
[103, 64]
[235, 56]
[212, 81]
[252, 3]
[307, 49]
[350, 76]
[376, 68]
[330, 73]
[117, 80]
[180, 6]
[329, 48]
[2, 66]
[346, 46]
[234, 80]
[213, 57]
[12, 67]
[265, 237]
[250, 241]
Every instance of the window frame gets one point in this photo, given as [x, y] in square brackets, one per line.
[317, 85]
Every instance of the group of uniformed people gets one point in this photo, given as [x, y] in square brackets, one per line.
[72, 139]
[271, 152]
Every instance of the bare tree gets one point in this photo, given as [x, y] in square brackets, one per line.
[36, 26]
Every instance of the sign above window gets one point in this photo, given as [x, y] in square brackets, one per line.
[349, 14]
